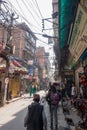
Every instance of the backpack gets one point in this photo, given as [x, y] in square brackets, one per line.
[54, 98]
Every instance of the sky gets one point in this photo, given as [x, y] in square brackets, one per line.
[32, 12]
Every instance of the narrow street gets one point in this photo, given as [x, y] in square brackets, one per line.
[43, 44]
[12, 114]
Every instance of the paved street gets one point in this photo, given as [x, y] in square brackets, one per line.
[12, 115]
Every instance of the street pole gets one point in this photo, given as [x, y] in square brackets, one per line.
[7, 20]
[10, 51]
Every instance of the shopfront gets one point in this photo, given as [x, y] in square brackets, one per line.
[83, 76]
[68, 80]
[16, 82]
[78, 44]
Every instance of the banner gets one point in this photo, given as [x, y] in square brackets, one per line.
[77, 43]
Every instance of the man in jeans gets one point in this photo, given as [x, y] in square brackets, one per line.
[52, 97]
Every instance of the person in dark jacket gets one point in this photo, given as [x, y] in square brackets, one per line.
[35, 118]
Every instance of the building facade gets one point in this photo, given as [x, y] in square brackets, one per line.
[16, 56]
[43, 66]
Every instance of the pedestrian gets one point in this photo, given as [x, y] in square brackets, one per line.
[73, 94]
[53, 100]
[73, 91]
[35, 118]
[48, 99]
[32, 90]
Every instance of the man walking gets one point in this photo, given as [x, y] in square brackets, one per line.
[53, 100]
[35, 118]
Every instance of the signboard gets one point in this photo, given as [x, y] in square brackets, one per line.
[50, 40]
[79, 50]
[77, 43]
[11, 69]
[31, 71]
[6, 80]
[30, 62]
[84, 3]
[79, 18]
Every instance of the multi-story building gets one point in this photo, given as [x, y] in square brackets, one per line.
[24, 41]
[43, 64]
[40, 51]
[22, 51]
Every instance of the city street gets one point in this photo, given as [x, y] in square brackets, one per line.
[43, 47]
[12, 114]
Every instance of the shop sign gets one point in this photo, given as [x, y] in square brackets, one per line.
[81, 45]
[11, 69]
[26, 76]
[68, 73]
[31, 71]
[79, 50]
[30, 62]
[78, 44]
[78, 27]
[6, 80]
[79, 17]
[84, 3]
[50, 40]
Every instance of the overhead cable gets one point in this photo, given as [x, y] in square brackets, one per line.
[39, 9]
[29, 11]
[22, 16]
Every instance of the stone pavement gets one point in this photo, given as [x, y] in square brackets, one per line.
[66, 120]
[63, 124]
[71, 116]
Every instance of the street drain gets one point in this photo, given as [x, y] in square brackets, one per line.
[69, 121]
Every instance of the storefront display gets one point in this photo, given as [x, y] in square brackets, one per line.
[83, 84]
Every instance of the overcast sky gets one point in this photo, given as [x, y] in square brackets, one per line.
[32, 12]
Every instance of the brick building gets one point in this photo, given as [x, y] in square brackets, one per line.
[22, 50]
[43, 64]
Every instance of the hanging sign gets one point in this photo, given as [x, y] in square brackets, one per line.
[6, 80]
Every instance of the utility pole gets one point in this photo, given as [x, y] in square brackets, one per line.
[7, 18]
[9, 48]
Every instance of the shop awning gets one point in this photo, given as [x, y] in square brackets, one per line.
[17, 64]
[17, 68]
[67, 11]
[2, 65]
